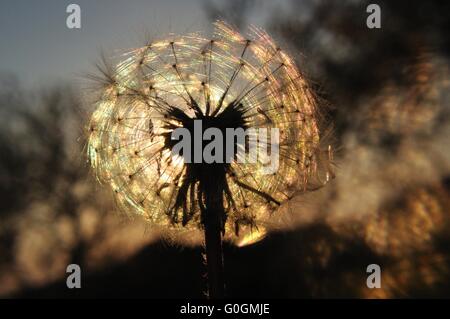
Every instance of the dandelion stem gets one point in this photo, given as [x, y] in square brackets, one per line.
[213, 221]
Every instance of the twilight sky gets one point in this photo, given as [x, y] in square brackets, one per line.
[38, 48]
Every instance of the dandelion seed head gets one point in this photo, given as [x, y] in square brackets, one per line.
[158, 87]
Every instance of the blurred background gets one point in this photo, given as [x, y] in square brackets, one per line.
[389, 101]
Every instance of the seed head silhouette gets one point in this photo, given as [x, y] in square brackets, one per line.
[227, 81]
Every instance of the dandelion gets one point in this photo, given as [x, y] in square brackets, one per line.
[227, 81]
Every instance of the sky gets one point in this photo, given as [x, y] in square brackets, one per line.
[38, 48]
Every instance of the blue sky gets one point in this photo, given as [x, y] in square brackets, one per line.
[38, 48]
